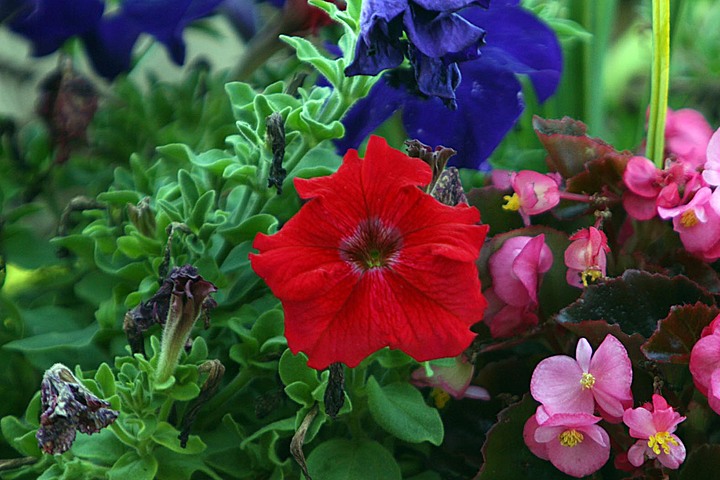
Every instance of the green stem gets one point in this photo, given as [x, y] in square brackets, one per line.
[659, 81]
[215, 405]
[123, 435]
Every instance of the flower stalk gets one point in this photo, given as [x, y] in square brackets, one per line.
[659, 81]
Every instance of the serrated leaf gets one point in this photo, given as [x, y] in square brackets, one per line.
[677, 333]
[636, 301]
[401, 410]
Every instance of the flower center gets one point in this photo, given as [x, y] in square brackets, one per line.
[440, 397]
[587, 381]
[590, 276]
[688, 218]
[372, 245]
[513, 202]
[570, 438]
[661, 440]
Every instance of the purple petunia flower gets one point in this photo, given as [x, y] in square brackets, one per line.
[109, 39]
[489, 99]
[437, 39]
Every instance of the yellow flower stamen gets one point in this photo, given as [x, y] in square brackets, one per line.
[688, 218]
[570, 438]
[513, 202]
[590, 275]
[587, 381]
[661, 440]
[440, 397]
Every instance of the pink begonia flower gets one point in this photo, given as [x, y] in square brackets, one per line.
[535, 193]
[698, 223]
[687, 134]
[650, 189]
[501, 179]
[711, 173]
[654, 426]
[572, 442]
[453, 379]
[563, 384]
[517, 269]
[705, 364]
[586, 257]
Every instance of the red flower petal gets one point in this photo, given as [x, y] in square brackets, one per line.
[371, 262]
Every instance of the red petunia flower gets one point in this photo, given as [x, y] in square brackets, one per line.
[370, 261]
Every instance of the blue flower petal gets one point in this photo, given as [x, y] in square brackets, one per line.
[437, 35]
[166, 19]
[49, 23]
[110, 45]
[489, 103]
[519, 42]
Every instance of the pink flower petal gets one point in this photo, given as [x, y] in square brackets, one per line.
[704, 360]
[537, 448]
[556, 384]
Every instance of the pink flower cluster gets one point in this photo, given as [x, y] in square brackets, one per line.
[516, 269]
[685, 190]
[565, 430]
[705, 364]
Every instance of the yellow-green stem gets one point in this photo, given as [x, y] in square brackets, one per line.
[659, 81]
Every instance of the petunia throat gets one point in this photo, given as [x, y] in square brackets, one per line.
[372, 245]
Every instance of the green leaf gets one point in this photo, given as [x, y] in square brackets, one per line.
[20, 435]
[167, 436]
[188, 189]
[300, 392]
[700, 461]
[179, 152]
[307, 52]
[293, 368]
[352, 460]
[119, 198]
[105, 378]
[248, 229]
[131, 466]
[505, 453]
[401, 410]
[202, 207]
[677, 333]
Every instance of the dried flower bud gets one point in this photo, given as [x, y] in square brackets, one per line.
[143, 217]
[67, 406]
[189, 300]
[67, 104]
[448, 189]
[276, 137]
[335, 391]
[437, 159]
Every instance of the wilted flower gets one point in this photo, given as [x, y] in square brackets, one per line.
[573, 442]
[189, 299]
[586, 257]
[371, 261]
[517, 269]
[67, 406]
[576, 385]
[517, 43]
[535, 193]
[654, 426]
[437, 38]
